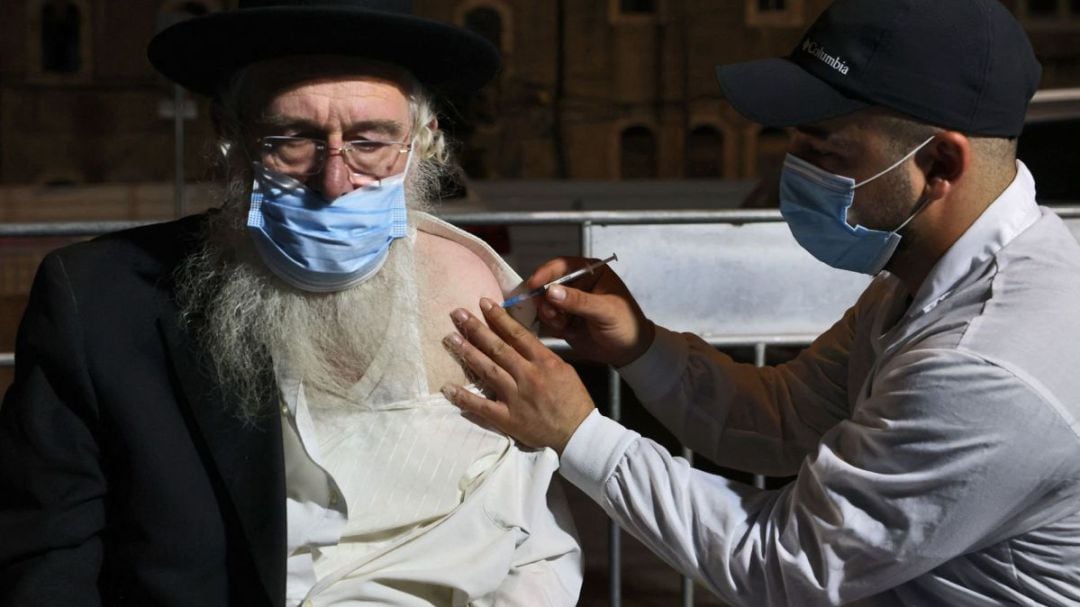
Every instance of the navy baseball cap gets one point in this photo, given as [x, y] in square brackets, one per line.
[963, 65]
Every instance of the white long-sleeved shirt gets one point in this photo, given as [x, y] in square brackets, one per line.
[936, 442]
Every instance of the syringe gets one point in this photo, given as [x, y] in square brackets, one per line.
[513, 301]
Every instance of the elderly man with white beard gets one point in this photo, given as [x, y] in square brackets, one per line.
[241, 407]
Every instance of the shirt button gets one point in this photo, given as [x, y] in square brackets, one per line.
[285, 410]
[307, 603]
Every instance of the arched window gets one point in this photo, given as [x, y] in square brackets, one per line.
[488, 23]
[637, 153]
[175, 12]
[480, 128]
[1047, 12]
[705, 153]
[638, 7]
[61, 37]
[772, 145]
[195, 9]
[492, 19]
[774, 13]
[1042, 8]
[484, 105]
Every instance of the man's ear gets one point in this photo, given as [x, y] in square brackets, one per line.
[945, 161]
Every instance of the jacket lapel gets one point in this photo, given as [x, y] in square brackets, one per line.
[248, 456]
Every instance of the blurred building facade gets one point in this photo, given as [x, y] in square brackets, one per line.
[590, 89]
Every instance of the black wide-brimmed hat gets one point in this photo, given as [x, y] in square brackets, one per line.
[203, 53]
[964, 65]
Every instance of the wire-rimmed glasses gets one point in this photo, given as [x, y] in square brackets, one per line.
[303, 156]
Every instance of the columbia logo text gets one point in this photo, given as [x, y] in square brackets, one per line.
[818, 51]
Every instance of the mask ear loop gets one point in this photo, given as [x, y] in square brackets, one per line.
[925, 202]
[408, 163]
[408, 159]
[922, 204]
[895, 164]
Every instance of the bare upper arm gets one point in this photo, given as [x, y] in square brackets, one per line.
[450, 276]
[453, 275]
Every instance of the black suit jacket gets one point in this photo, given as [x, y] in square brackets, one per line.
[124, 479]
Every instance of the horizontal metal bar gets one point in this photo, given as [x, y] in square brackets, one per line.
[719, 341]
[740, 341]
[613, 217]
[736, 216]
[92, 228]
[66, 228]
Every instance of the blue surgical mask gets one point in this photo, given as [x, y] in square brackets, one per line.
[815, 204]
[322, 246]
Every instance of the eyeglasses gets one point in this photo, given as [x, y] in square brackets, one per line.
[303, 156]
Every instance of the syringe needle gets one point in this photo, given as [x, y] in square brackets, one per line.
[558, 281]
[578, 273]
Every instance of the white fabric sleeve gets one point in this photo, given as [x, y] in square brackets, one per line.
[923, 472]
[593, 452]
[759, 420]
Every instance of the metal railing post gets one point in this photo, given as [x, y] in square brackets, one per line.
[759, 361]
[615, 413]
[178, 150]
[687, 588]
[614, 533]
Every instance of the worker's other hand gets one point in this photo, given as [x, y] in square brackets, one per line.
[595, 313]
[539, 398]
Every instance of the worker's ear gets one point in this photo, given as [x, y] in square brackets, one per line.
[944, 161]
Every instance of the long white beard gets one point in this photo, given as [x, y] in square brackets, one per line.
[248, 322]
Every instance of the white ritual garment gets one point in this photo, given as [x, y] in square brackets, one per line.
[395, 498]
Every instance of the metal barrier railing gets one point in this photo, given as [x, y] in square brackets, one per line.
[760, 343]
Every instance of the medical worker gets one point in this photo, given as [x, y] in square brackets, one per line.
[934, 428]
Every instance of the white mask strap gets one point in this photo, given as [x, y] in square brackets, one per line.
[918, 209]
[408, 159]
[895, 164]
[404, 172]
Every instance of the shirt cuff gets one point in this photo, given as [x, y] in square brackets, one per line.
[593, 453]
[654, 373]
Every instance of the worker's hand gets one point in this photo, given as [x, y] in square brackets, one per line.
[539, 398]
[595, 313]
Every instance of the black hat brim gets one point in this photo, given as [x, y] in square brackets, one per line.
[777, 92]
[202, 54]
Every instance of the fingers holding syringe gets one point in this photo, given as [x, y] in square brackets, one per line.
[605, 325]
[552, 317]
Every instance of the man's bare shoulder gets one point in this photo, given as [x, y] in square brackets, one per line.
[451, 276]
[452, 267]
